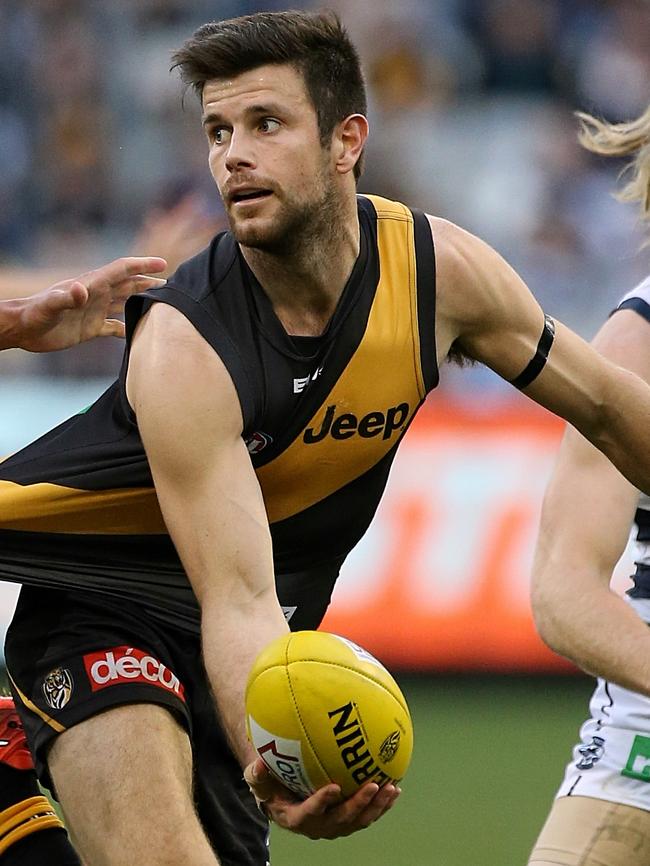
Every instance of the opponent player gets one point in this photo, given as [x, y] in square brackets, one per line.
[251, 430]
[67, 313]
[602, 811]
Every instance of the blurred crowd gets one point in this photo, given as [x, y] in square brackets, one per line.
[471, 110]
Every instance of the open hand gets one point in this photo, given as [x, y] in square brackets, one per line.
[77, 310]
[323, 815]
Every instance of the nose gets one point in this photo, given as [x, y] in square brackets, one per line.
[240, 153]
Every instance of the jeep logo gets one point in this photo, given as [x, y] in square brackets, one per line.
[347, 425]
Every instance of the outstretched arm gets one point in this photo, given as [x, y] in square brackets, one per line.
[76, 310]
[588, 509]
[190, 421]
[485, 309]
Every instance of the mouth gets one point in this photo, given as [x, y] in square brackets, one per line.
[249, 196]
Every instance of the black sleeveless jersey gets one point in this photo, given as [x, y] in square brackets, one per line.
[322, 421]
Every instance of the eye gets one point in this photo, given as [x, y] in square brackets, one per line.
[269, 124]
[219, 135]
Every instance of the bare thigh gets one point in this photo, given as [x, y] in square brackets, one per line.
[584, 831]
[124, 781]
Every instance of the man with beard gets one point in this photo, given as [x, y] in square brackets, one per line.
[249, 436]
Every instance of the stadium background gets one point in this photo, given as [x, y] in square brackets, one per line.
[471, 117]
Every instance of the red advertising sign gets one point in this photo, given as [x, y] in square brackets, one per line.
[441, 579]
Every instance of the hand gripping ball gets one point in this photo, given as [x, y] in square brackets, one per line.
[321, 709]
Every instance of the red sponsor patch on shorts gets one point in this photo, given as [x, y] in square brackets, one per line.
[124, 664]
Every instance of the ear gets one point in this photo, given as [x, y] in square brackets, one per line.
[348, 141]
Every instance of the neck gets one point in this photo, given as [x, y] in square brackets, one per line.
[304, 284]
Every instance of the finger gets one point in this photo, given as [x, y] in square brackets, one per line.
[386, 795]
[78, 293]
[379, 805]
[128, 266]
[112, 328]
[133, 286]
[350, 810]
[118, 297]
[390, 795]
[322, 800]
[260, 780]
[309, 817]
[363, 797]
[57, 300]
[144, 281]
[255, 772]
[132, 265]
[135, 283]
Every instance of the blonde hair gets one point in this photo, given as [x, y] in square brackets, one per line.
[623, 139]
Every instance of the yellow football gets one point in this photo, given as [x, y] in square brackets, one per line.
[321, 709]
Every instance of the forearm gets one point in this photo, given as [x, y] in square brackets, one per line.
[588, 623]
[589, 507]
[230, 645]
[623, 427]
[10, 318]
[607, 404]
[189, 417]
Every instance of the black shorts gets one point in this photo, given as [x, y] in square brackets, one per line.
[73, 655]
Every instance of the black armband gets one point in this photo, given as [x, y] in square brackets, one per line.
[536, 364]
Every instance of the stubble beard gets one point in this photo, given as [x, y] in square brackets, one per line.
[296, 228]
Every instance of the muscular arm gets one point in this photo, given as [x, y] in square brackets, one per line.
[190, 422]
[586, 519]
[486, 310]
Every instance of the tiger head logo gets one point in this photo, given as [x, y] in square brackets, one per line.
[57, 688]
[389, 747]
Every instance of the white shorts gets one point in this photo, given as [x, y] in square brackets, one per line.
[612, 761]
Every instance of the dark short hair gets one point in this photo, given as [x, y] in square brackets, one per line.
[316, 44]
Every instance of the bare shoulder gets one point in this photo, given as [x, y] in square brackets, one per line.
[165, 340]
[467, 268]
[163, 324]
[456, 248]
[172, 364]
[475, 287]
[450, 239]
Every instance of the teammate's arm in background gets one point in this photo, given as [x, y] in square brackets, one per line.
[76, 310]
[485, 310]
[586, 518]
[190, 421]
